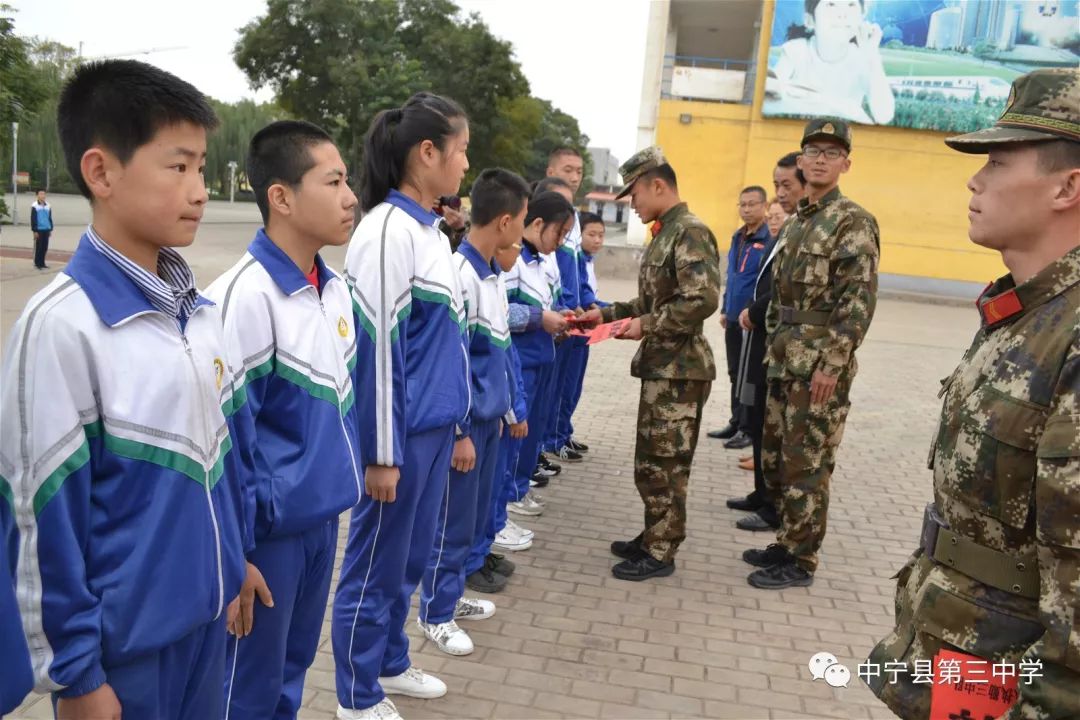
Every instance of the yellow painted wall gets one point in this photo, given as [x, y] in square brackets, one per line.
[909, 179]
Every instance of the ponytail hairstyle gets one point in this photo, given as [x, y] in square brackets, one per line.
[393, 133]
[549, 206]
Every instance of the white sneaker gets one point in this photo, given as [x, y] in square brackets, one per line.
[414, 682]
[473, 609]
[536, 498]
[524, 507]
[448, 637]
[383, 711]
[510, 541]
[523, 533]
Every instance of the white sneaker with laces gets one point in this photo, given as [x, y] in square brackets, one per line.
[448, 637]
[536, 498]
[473, 609]
[510, 541]
[383, 711]
[523, 533]
[414, 682]
[524, 507]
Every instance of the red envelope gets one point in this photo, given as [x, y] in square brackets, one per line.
[606, 331]
[986, 698]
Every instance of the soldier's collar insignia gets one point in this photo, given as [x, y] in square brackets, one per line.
[656, 228]
[1000, 308]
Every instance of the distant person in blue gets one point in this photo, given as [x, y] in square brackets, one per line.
[41, 223]
[743, 261]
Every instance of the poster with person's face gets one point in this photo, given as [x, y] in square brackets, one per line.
[931, 64]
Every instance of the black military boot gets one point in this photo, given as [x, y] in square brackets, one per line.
[764, 519]
[772, 555]
[784, 575]
[643, 568]
[628, 549]
[486, 581]
[750, 503]
[499, 564]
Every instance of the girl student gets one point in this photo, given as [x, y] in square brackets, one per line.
[550, 216]
[412, 390]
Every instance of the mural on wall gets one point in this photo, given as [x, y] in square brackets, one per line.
[930, 64]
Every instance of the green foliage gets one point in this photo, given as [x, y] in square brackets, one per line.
[338, 62]
[930, 113]
[22, 90]
[239, 123]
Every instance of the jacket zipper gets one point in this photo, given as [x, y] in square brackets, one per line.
[206, 471]
[341, 417]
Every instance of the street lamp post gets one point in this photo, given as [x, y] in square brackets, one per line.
[232, 178]
[14, 173]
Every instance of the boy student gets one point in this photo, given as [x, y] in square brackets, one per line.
[499, 199]
[288, 319]
[122, 449]
[41, 224]
[406, 294]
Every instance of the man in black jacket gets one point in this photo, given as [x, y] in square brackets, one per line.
[789, 184]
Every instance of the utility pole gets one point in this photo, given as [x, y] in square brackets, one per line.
[14, 173]
[232, 178]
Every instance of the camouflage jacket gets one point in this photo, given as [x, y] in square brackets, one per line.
[1006, 462]
[678, 289]
[827, 263]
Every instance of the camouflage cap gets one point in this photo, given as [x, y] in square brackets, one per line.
[1043, 105]
[829, 128]
[640, 163]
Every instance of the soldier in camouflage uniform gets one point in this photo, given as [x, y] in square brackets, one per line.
[997, 574]
[824, 293]
[678, 289]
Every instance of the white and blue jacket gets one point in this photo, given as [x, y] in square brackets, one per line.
[412, 370]
[567, 256]
[529, 283]
[489, 337]
[294, 349]
[125, 445]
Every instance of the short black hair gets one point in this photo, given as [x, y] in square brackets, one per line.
[791, 160]
[549, 184]
[281, 153]
[1055, 155]
[560, 151]
[497, 192]
[120, 105]
[589, 218]
[666, 173]
[755, 189]
[40, 189]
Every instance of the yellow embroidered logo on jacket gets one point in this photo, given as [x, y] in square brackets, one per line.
[342, 327]
[219, 371]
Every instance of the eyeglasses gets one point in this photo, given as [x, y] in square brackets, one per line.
[830, 153]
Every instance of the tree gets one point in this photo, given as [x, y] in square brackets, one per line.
[239, 123]
[39, 140]
[22, 91]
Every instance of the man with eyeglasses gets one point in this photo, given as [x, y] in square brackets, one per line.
[824, 293]
[743, 261]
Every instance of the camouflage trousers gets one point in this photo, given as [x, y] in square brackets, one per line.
[669, 417]
[798, 454]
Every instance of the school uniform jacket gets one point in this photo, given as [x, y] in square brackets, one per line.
[294, 351]
[489, 337]
[527, 283]
[125, 445]
[412, 368]
[570, 279]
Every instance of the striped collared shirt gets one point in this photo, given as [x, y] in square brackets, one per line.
[172, 290]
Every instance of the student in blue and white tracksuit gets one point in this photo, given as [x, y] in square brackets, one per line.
[499, 200]
[126, 440]
[527, 284]
[412, 391]
[592, 239]
[288, 319]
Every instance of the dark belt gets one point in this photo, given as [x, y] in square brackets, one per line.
[1012, 573]
[791, 316]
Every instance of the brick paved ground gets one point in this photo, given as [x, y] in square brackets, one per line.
[569, 640]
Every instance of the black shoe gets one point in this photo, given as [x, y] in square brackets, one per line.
[499, 564]
[539, 480]
[750, 503]
[568, 454]
[739, 441]
[628, 549]
[764, 519]
[577, 446]
[778, 577]
[643, 568]
[486, 581]
[726, 434]
[772, 555]
[549, 465]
